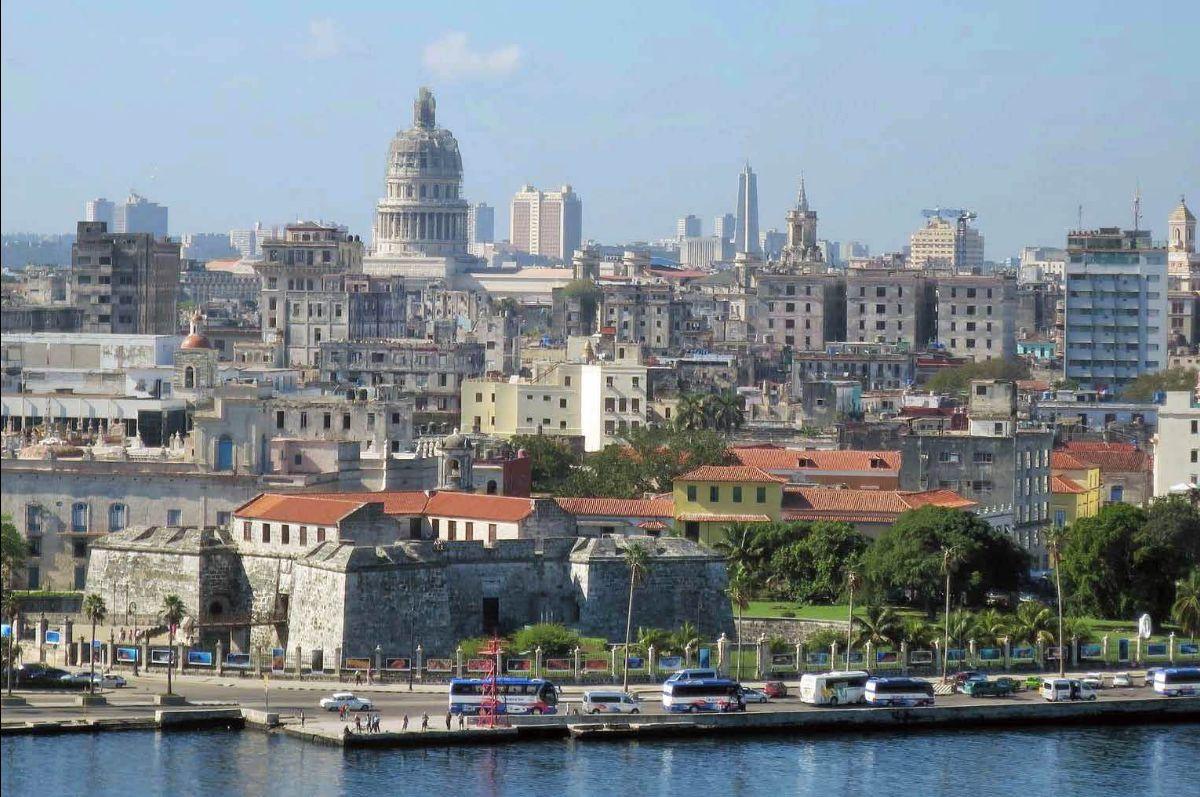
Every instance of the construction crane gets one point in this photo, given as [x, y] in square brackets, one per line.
[962, 217]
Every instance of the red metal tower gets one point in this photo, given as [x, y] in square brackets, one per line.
[489, 705]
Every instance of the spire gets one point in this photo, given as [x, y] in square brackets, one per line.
[802, 197]
[425, 109]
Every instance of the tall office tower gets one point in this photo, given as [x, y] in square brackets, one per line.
[124, 283]
[1114, 306]
[944, 243]
[1181, 240]
[481, 224]
[139, 214]
[687, 227]
[248, 241]
[745, 233]
[723, 227]
[99, 210]
[547, 223]
[205, 246]
[772, 242]
[851, 249]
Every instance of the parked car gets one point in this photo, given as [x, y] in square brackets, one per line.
[103, 680]
[40, 676]
[754, 695]
[981, 687]
[960, 678]
[775, 689]
[1028, 597]
[339, 699]
[1093, 680]
[1122, 679]
[599, 701]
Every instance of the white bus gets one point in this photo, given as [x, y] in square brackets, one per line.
[833, 688]
[515, 696]
[899, 692]
[1177, 681]
[703, 694]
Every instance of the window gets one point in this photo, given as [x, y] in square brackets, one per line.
[33, 576]
[246, 528]
[79, 517]
[691, 492]
[116, 517]
[174, 517]
[279, 419]
[320, 535]
[79, 548]
[737, 495]
[950, 457]
[452, 529]
[223, 519]
[714, 493]
[33, 520]
[266, 532]
[285, 534]
[469, 530]
[491, 532]
[760, 495]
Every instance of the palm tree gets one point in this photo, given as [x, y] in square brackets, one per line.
[96, 611]
[1055, 539]
[990, 627]
[172, 615]
[742, 546]
[725, 410]
[657, 638]
[918, 633]
[690, 413]
[637, 559]
[853, 582]
[879, 626]
[1186, 610]
[1033, 624]
[949, 560]
[739, 592]
[8, 609]
[685, 637]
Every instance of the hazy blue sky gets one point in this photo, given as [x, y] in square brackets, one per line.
[231, 113]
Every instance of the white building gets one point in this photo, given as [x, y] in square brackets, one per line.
[687, 227]
[139, 214]
[1042, 264]
[99, 210]
[547, 223]
[942, 243]
[1115, 307]
[1177, 444]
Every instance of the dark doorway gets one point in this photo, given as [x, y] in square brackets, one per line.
[692, 531]
[491, 615]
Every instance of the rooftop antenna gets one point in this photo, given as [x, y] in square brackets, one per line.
[1080, 227]
[1137, 207]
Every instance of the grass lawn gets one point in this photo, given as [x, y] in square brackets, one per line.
[800, 611]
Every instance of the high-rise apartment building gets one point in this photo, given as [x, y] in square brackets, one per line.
[481, 224]
[99, 210]
[139, 214]
[687, 227]
[745, 233]
[889, 306]
[248, 241]
[976, 316]
[1115, 307]
[943, 243]
[547, 223]
[724, 226]
[124, 283]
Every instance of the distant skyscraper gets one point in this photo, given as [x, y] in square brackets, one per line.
[99, 210]
[481, 224]
[138, 214]
[723, 227]
[745, 234]
[687, 227]
[248, 241]
[943, 243]
[771, 242]
[547, 223]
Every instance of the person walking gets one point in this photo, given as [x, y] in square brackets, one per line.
[462, 721]
[449, 719]
[425, 721]
[404, 723]
[358, 723]
[301, 718]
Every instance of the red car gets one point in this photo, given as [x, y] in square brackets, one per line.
[775, 689]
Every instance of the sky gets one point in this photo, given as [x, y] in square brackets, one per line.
[231, 113]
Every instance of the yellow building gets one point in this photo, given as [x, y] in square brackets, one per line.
[712, 496]
[1074, 489]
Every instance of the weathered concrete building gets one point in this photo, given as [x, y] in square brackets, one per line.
[890, 306]
[805, 311]
[976, 316]
[124, 282]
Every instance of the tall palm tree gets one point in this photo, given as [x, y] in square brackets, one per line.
[990, 627]
[739, 593]
[1186, 610]
[96, 611]
[725, 410]
[172, 614]
[950, 557]
[1033, 624]
[742, 546]
[637, 559]
[853, 582]
[880, 625]
[8, 609]
[690, 414]
[1056, 536]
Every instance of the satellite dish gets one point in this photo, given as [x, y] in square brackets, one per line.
[1145, 626]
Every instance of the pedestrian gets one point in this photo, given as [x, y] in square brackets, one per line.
[425, 721]
[301, 718]
[462, 721]
[404, 723]
[358, 723]
[378, 724]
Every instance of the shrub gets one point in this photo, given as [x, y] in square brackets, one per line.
[554, 639]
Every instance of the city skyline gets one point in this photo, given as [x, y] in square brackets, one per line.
[1024, 149]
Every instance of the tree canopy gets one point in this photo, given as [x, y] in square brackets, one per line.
[958, 379]
[806, 562]
[647, 461]
[724, 411]
[551, 460]
[1145, 386]
[13, 549]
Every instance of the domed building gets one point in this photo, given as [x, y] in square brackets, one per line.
[420, 229]
[195, 362]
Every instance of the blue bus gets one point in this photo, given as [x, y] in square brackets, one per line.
[703, 694]
[515, 696]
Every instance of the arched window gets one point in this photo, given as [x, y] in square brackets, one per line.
[116, 517]
[189, 377]
[79, 517]
[491, 487]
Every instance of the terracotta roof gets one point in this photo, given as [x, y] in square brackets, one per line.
[729, 473]
[652, 525]
[793, 459]
[702, 517]
[1061, 484]
[1108, 461]
[619, 507]
[1091, 445]
[1035, 385]
[497, 508]
[317, 510]
[395, 502]
[1066, 461]
[827, 500]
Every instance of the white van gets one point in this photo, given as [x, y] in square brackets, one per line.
[1055, 690]
[602, 702]
[833, 688]
[693, 674]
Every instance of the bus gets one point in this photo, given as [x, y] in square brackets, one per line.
[899, 692]
[515, 695]
[703, 694]
[1177, 681]
[833, 688]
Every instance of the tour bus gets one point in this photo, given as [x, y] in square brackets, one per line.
[1177, 681]
[899, 692]
[515, 696]
[833, 688]
[703, 694]
[693, 673]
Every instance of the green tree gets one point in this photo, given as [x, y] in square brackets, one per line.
[13, 550]
[1096, 558]
[555, 639]
[646, 461]
[880, 626]
[1055, 537]
[1186, 609]
[957, 380]
[637, 559]
[690, 413]
[685, 639]
[8, 609]
[550, 459]
[658, 638]
[1145, 386]
[725, 410]
[919, 633]
[172, 614]
[990, 627]
[1033, 624]
[96, 611]
[906, 562]
[738, 591]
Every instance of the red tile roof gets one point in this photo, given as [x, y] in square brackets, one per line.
[497, 508]
[836, 504]
[729, 473]
[319, 511]
[311, 506]
[1111, 457]
[702, 517]
[1091, 445]
[792, 459]
[395, 502]
[619, 507]
[1061, 484]
[1063, 460]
